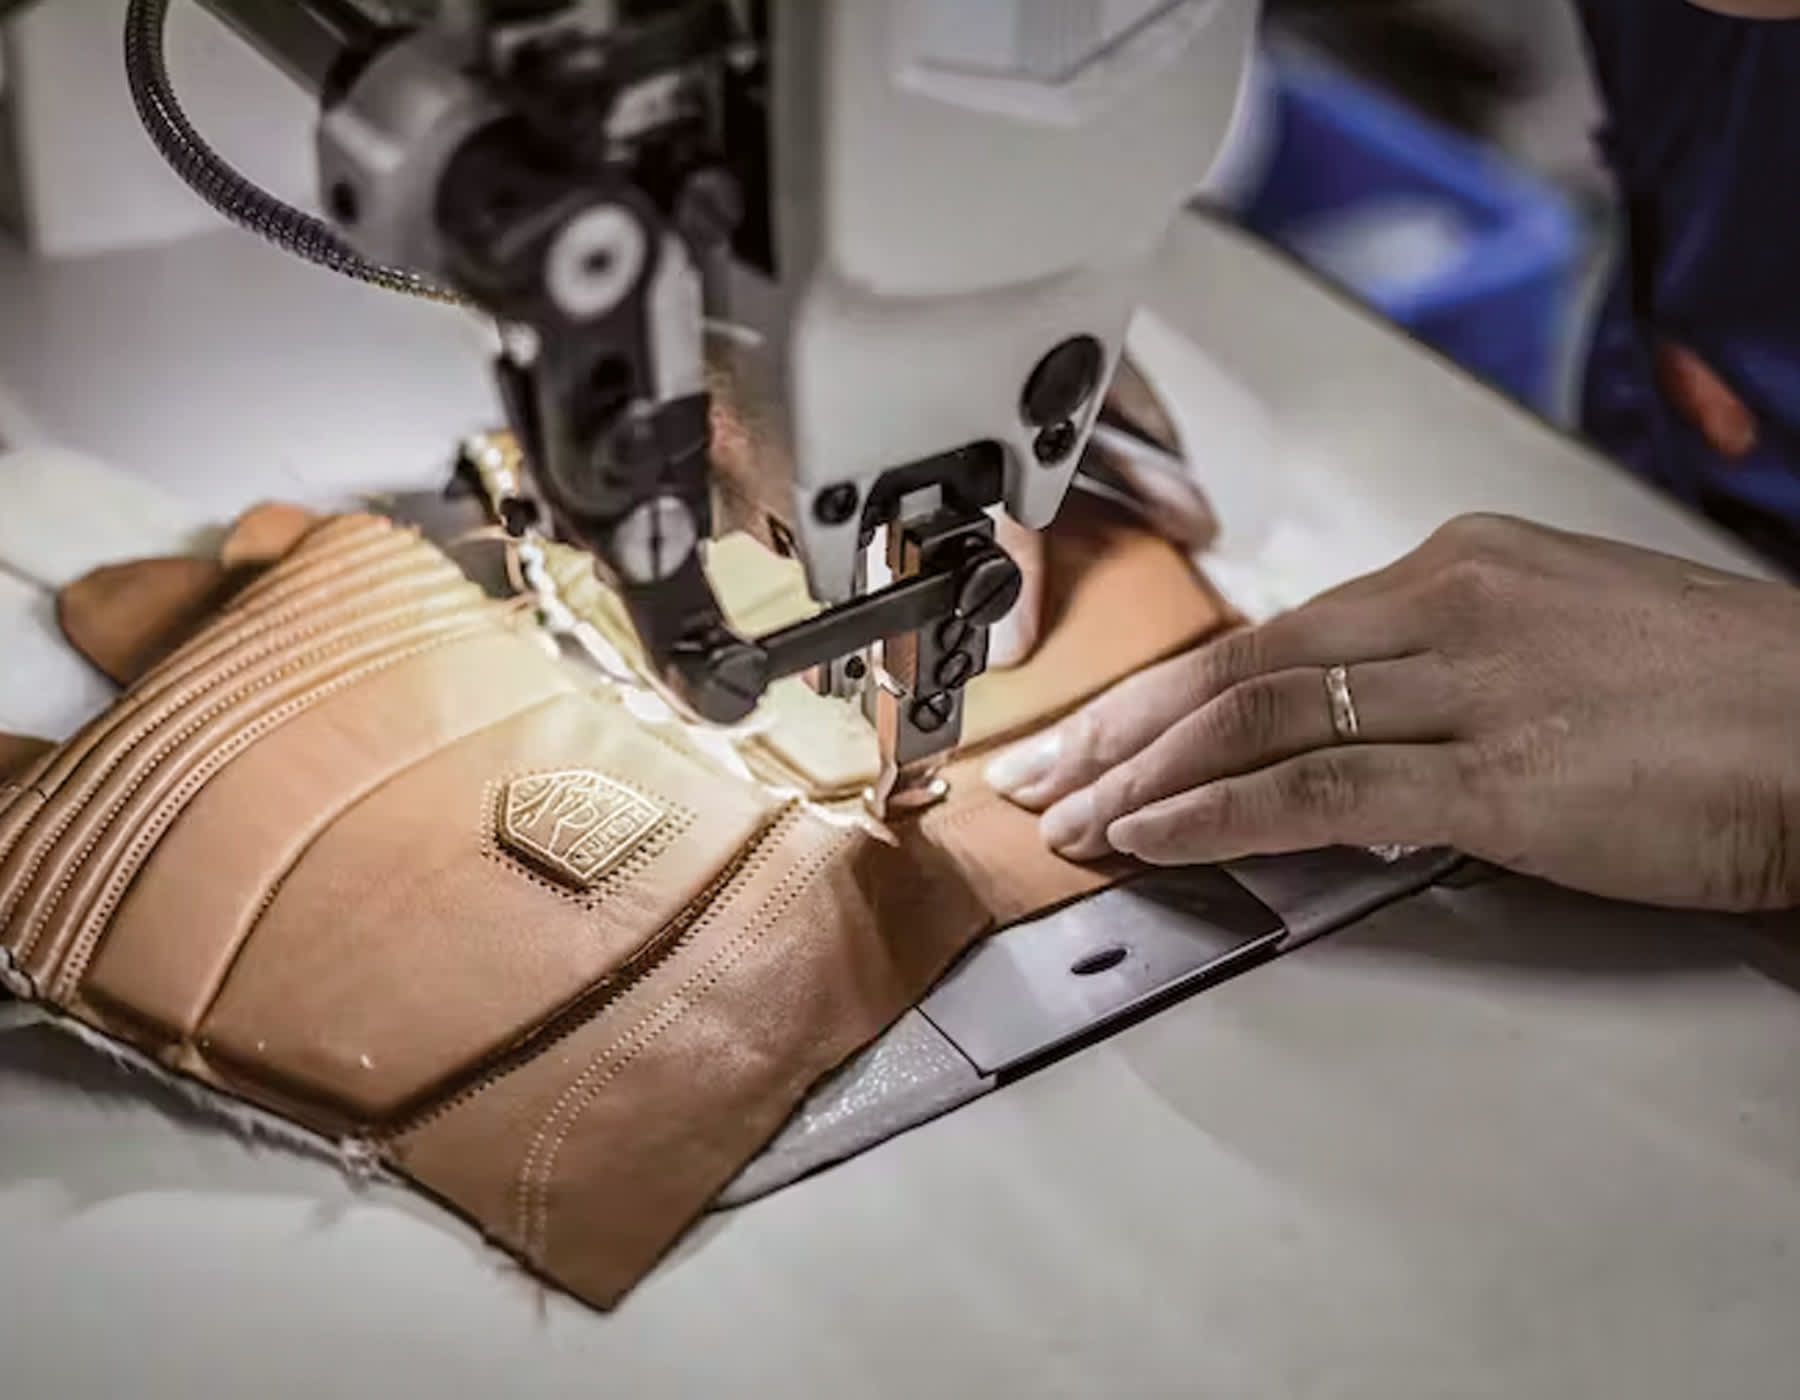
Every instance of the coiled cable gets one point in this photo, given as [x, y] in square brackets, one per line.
[211, 177]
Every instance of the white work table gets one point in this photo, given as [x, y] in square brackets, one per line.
[1495, 1141]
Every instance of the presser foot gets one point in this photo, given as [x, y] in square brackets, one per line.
[902, 790]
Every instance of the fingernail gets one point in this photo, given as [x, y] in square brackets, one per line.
[1018, 768]
[1067, 827]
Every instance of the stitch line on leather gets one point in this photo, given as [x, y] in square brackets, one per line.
[104, 751]
[704, 913]
[153, 827]
[311, 613]
[308, 603]
[147, 706]
[346, 548]
[594, 1001]
[74, 962]
[162, 742]
[538, 1168]
[676, 821]
[956, 817]
[287, 597]
[536, 1241]
[353, 550]
[332, 535]
[324, 824]
[303, 577]
[345, 590]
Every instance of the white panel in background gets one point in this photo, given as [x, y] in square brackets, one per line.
[92, 181]
[50, 692]
[1040, 40]
[66, 514]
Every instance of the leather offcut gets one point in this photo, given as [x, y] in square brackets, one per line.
[364, 852]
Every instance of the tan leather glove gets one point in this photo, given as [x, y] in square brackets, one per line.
[363, 852]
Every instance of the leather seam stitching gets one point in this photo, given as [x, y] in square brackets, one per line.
[312, 556]
[75, 963]
[216, 704]
[663, 943]
[275, 886]
[129, 739]
[538, 1167]
[255, 624]
[953, 820]
[698, 985]
[522, 1187]
[227, 651]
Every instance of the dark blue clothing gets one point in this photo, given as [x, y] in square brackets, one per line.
[1703, 137]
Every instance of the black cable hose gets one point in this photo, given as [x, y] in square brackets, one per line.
[211, 177]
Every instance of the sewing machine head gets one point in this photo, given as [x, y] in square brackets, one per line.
[910, 233]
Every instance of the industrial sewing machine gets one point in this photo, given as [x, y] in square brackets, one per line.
[911, 232]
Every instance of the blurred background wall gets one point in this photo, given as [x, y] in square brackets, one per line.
[1436, 159]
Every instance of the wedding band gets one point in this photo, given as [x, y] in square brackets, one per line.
[1343, 708]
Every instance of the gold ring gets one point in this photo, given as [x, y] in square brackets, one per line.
[1343, 708]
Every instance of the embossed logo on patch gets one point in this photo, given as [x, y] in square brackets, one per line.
[575, 825]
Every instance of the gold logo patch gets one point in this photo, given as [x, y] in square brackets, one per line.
[575, 825]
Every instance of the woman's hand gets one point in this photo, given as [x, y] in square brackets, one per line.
[1615, 720]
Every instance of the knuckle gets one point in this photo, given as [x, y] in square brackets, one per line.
[1323, 785]
[1472, 767]
[1472, 587]
[1489, 815]
[1249, 717]
[1479, 533]
[1193, 682]
[1227, 661]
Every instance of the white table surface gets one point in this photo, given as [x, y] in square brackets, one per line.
[1496, 1141]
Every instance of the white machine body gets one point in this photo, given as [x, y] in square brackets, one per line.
[962, 185]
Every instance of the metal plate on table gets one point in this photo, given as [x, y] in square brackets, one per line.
[1043, 987]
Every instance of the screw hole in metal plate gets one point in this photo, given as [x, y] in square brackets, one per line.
[1102, 961]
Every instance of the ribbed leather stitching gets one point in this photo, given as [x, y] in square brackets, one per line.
[412, 572]
[127, 750]
[99, 875]
[191, 706]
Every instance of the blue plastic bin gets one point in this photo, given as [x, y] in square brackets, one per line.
[1500, 305]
